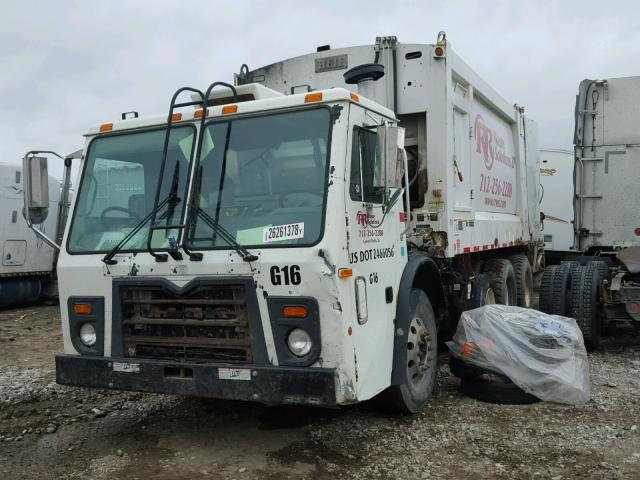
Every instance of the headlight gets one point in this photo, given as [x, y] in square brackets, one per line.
[88, 334]
[299, 342]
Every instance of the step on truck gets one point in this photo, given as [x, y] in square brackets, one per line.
[306, 235]
[599, 284]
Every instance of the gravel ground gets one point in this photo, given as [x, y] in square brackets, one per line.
[50, 431]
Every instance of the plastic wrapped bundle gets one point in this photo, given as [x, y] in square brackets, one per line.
[542, 354]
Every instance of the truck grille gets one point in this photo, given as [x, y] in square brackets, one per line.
[207, 324]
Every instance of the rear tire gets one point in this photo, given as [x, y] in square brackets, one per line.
[421, 357]
[524, 280]
[503, 280]
[585, 296]
[554, 290]
[481, 292]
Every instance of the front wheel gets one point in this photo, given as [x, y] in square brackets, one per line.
[421, 358]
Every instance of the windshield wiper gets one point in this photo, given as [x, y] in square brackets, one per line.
[108, 258]
[172, 200]
[245, 254]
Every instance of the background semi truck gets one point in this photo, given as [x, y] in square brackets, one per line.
[600, 283]
[28, 263]
[308, 235]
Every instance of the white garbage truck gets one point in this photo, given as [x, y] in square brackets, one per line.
[307, 235]
[599, 285]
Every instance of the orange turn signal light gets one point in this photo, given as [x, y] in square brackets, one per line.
[296, 311]
[106, 127]
[227, 109]
[313, 97]
[82, 308]
[176, 117]
[355, 97]
[345, 273]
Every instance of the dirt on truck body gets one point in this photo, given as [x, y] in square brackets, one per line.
[49, 431]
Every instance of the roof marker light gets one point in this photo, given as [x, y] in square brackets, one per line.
[176, 117]
[198, 113]
[227, 109]
[106, 127]
[313, 97]
[355, 97]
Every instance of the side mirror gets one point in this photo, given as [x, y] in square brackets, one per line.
[391, 158]
[36, 189]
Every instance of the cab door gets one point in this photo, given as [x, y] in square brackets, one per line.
[376, 254]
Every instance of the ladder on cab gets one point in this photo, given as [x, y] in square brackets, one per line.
[173, 200]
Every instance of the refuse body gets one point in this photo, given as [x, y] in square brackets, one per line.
[542, 355]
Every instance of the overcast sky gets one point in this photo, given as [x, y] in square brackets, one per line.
[66, 65]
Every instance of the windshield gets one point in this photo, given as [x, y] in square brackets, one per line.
[118, 188]
[263, 179]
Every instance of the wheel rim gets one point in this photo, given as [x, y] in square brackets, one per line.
[489, 297]
[419, 348]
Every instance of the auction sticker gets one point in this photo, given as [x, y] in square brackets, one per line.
[126, 367]
[234, 373]
[278, 233]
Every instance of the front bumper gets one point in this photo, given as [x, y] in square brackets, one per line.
[266, 384]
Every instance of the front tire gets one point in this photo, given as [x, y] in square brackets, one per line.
[421, 358]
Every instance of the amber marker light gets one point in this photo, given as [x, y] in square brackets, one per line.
[227, 109]
[106, 127]
[345, 273]
[313, 97]
[294, 311]
[176, 117]
[355, 97]
[198, 113]
[82, 308]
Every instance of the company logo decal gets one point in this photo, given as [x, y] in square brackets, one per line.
[491, 145]
[365, 220]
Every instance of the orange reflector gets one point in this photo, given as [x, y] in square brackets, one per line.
[312, 97]
[637, 232]
[176, 117]
[295, 311]
[82, 308]
[198, 113]
[350, 331]
[439, 51]
[105, 127]
[345, 272]
[355, 97]
[467, 348]
[227, 109]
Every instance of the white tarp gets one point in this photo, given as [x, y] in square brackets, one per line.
[542, 354]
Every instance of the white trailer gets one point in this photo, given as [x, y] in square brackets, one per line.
[601, 281]
[556, 204]
[264, 247]
[27, 262]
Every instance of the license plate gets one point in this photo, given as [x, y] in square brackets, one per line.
[126, 367]
[234, 374]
